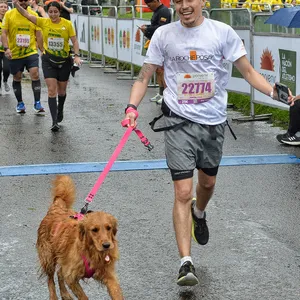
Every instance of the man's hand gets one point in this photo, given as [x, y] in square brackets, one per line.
[8, 54]
[143, 28]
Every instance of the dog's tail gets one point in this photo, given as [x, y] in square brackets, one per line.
[63, 191]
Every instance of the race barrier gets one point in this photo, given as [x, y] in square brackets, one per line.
[271, 49]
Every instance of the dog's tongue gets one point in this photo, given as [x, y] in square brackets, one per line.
[107, 258]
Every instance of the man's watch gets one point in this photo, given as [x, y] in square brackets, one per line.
[5, 48]
[130, 105]
[76, 54]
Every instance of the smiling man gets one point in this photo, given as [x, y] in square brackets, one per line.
[194, 107]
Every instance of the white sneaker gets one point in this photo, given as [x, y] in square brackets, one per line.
[160, 99]
[155, 98]
[6, 87]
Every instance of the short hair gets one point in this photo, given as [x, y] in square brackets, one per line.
[3, 1]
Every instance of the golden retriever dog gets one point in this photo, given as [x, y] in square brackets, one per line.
[76, 249]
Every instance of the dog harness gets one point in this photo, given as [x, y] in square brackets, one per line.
[88, 271]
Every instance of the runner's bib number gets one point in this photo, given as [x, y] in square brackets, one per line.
[55, 44]
[195, 88]
[23, 40]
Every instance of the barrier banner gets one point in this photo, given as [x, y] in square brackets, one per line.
[236, 81]
[138, 53]
[83, 32]
[109, 33]
[276, 58]
[95, 32]
[124, 40]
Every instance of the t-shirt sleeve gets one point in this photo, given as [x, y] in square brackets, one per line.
[154, 53]
[233, 46]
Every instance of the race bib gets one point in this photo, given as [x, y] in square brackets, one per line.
[23, 40]
[193, 88]
[55, 43]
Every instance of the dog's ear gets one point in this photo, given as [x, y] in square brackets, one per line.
[81, 231]
[114, 225]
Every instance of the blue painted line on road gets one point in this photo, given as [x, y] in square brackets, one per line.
[68, 168]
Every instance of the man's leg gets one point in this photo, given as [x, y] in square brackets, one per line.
[182, 224]
[161, 84]
[294, 125]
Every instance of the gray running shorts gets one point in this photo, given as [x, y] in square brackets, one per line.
[193, 146]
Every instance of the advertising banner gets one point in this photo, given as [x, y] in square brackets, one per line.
[124, 40]
[139, 40]
[95, 35]
[236, 81]
[83, 32]
[109, 33]
[276, 58]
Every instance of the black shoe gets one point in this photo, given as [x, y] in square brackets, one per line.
[60, 115]
[279, 137]
[187, 276]
[200, 231]
[292, 140]
[55, 127]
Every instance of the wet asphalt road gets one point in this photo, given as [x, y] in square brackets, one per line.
[253, 252]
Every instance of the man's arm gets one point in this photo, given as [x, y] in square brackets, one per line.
[254, 78]
[66, 6]
[4, 41]
[39, 40]
[139, 88]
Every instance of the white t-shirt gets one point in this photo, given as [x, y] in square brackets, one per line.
[188, 52]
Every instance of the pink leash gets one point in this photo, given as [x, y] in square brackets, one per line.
[109, 164]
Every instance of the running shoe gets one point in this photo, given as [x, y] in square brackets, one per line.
[200, 231]
[160, 99]
[292, 140]
[187, 275]
[6, 87]
[21, 109]
[55, 127]
[38, 107]
[279, 137]
[155, 98]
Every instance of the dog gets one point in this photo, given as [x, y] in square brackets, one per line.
[76, 249]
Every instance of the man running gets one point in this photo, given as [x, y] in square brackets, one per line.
[19, 39]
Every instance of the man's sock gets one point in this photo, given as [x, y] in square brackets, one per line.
[198, 213]
[185, 259]
[36, 88]
[161, 90]
[53, 108]
[17, 90]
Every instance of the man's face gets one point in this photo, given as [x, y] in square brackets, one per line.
[152, 5]
[189, 12]
[23, 3]
[3, 8]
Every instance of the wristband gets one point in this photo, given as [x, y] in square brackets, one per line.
[271, 94]
[78, 55]
[5, 48]
[130, 109]
[130, 105]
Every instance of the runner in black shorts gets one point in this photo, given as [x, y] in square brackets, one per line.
[19, 38]
[56, 59]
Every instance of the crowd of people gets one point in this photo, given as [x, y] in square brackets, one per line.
[29, 31]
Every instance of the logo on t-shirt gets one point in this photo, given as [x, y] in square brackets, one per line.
[193, 56]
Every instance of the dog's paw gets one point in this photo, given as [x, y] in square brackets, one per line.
[66, 297]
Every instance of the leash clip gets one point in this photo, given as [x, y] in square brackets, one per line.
[84, 209]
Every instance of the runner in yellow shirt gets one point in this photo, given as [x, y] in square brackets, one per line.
[56, 60]
[19, 38]
[4, 65]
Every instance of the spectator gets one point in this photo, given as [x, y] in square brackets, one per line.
[161, 16]
[292, 136]
[66, 9]
[36, 7]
